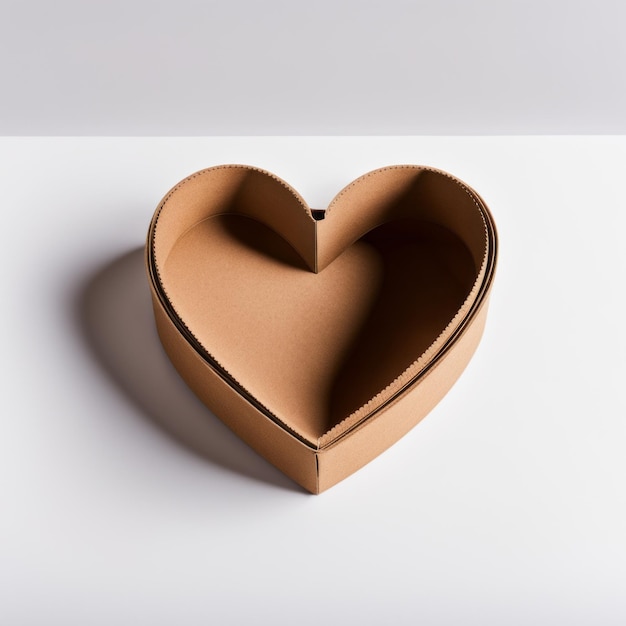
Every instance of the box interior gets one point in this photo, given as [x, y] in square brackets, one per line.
[315, 318]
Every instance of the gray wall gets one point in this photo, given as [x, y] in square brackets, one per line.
[130, 67]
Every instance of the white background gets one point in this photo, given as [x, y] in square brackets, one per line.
[245, 67]
[124, 501]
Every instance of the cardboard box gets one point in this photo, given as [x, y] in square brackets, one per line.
[321, 337]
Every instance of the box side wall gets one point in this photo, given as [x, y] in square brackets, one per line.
[377, 434]
[270, 440]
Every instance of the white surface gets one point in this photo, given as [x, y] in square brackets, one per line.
[279, 67]
[124, 501]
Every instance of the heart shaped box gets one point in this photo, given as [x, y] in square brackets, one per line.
[321, 337]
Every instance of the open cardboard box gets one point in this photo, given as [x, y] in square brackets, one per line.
[321, 337]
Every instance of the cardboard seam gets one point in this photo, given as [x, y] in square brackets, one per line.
[317, 472]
